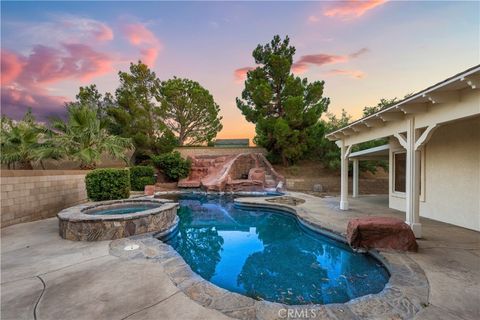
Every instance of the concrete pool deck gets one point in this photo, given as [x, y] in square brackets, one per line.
[46, 277]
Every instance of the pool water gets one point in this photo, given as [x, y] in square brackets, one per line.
[121, 210]
[269, 255]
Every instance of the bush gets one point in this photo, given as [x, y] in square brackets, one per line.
[108, 184]
[172, 165]
[140, 176]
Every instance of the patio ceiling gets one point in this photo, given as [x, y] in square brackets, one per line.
[375, 153]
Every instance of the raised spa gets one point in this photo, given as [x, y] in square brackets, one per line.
[122, 208]
[270, 255]
[108, 220]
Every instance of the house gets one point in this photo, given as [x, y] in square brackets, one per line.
[433, 152]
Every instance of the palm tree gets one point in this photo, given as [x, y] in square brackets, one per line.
[25, 143]
[84, 137]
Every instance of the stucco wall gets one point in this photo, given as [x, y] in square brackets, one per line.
[452, 185]
[450, 175]
[28, 195]
[217, 151]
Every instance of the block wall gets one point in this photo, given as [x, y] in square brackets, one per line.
[29, 195]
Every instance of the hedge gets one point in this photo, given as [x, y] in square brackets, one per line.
[108, 184]
[173, 165]
[140, 176]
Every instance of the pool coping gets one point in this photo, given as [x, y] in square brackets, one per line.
[404, 295]
[78, 225]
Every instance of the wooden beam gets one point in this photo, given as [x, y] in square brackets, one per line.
[348, 131]
[402, 140]
[443, 97]
[391, 116]
[474, 83]
[373, 122]
[359, 127]
[413, 108]
[425, 136]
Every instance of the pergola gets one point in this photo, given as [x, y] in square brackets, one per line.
[375, 153]
[412, 122]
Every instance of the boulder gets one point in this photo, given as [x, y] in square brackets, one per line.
[380, 233]
[149, 190]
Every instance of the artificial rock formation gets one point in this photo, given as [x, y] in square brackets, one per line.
[241, 172]
[380, 233]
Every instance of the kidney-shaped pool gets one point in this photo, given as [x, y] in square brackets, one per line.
[269, 255]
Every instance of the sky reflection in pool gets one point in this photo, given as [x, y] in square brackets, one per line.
[268, 255]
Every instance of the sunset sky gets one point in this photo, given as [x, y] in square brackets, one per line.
[363, 50]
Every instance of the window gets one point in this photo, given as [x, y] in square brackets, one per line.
[399, 171]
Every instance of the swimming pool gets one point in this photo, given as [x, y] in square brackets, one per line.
[269, 255]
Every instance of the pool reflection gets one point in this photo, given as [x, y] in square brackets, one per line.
[268, 255]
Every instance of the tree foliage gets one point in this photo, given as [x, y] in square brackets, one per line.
[282, 106]
[25, 143]
[85, 138]
[136, 113]
[172, 165]
[383, 104]
[189, 111]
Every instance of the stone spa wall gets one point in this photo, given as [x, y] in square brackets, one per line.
[29, 195]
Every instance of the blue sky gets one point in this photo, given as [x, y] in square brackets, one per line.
[363, 50]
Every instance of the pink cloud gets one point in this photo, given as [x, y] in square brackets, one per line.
[299, 67]
[352, 8]
[241, 74]
[72, 54]
[313, 19]
[140, 36]
[302, 65]
[356, 74]
[104, 33]
[24, 83]
[11, 66]
[74, 61]
[15, 103]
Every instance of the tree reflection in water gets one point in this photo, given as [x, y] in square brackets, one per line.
[268, 255]
[199, 246]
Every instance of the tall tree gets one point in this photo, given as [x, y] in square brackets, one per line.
[282, 106]
[91, 97]
[137, 114]
[189, 111]
[85, 138]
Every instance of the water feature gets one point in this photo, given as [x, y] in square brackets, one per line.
[269, 255]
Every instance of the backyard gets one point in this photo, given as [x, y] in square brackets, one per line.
[240, 160]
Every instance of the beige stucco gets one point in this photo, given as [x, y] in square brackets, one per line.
[438, 128]
[452, 165]
[450, 175]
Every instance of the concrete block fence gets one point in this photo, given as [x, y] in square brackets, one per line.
[29, 195]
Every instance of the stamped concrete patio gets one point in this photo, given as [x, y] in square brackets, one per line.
[46, 277]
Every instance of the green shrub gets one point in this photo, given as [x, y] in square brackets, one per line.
[140, 176]
[172, 165]
[108, 184]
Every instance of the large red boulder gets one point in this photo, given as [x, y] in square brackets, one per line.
[380, 233]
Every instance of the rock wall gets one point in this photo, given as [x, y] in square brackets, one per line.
[242, 172]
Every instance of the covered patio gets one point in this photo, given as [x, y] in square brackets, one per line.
[433, 152]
